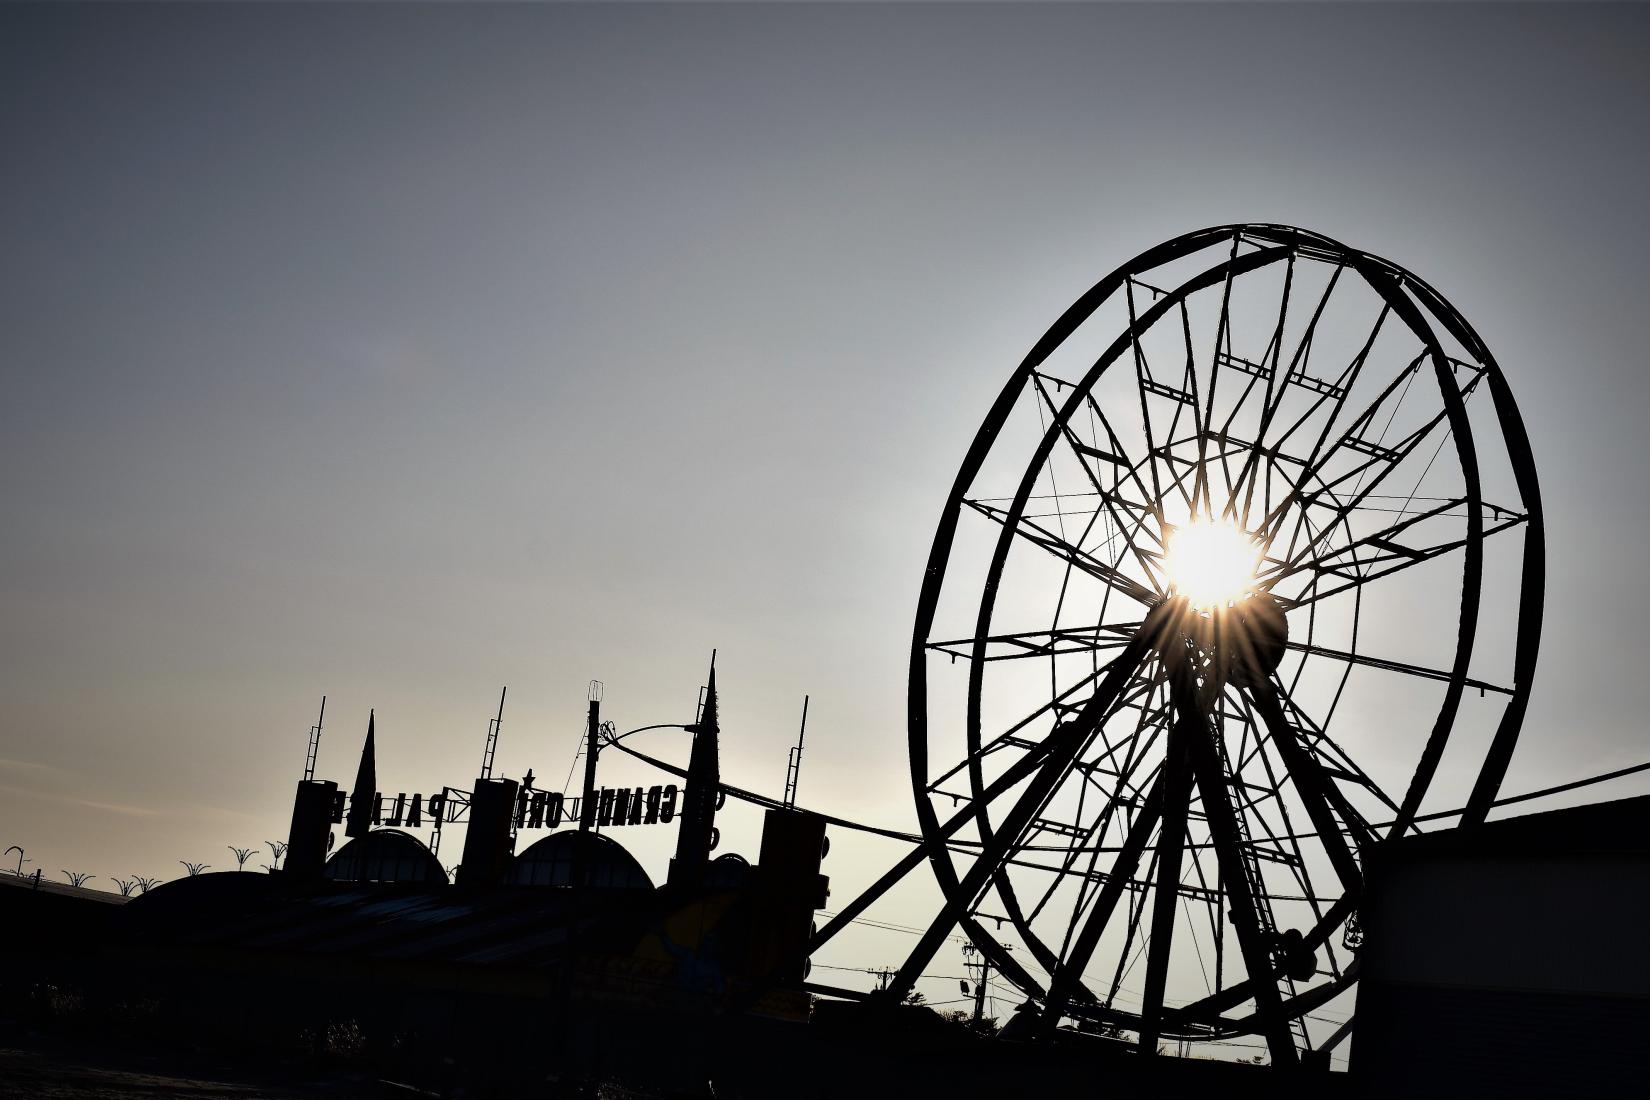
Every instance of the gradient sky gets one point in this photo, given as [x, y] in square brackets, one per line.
[400, 353]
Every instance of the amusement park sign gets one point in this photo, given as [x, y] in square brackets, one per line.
[611, 806]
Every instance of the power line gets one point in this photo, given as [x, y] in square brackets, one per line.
[889, 927]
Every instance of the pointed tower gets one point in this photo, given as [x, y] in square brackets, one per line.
[695, 839]
[363, 800]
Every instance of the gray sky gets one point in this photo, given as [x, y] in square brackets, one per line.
[398, 353]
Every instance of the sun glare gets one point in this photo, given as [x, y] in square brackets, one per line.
[1212, 563]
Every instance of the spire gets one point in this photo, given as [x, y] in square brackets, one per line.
[694, 838]
[365, 792]
[707, 715]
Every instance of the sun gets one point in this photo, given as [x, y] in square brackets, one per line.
[1212, 563]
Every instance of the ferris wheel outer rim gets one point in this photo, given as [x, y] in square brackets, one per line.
[1379, 274]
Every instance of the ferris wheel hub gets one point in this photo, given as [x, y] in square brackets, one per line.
[1255, 633]
[1242, 641]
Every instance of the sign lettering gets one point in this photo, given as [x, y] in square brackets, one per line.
[612, 806]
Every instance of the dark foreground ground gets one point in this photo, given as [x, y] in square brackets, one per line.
[54, 1067]
[31, 1066]
[95, 1009]
[59, 1072]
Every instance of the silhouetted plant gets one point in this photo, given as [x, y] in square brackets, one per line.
[125, 885]
[277, 849]
[241, 856]
[964, 1018]
[20, 860]
[78, 878]
[267, 868]
[193, 868]
[145, 883]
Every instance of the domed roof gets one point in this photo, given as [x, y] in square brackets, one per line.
[727, 871]
[550, 862]
[385, 855]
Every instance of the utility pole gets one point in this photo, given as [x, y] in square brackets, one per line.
[593, 724]
[969, 951]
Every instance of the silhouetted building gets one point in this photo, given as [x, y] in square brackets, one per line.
[1509, 958]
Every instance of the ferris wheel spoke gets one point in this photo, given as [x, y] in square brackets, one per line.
[1058, 751]
[1263, 370]
[1171, 842]
[1381, 543]
[1225, 455]
[1014, 774]
[1121, 796]
[1207, 1008]
[1135, 913]
[1191, 468]
[1187, 401]
[1067, 976]
[1385, 461]
[1045, 539]
[1132, 531]
[1353, 440]
[1085, 453]
[1294, 858]
[1250, 807]
[1315, 789]
[1126, 792]
[1251, 919]
[1342, 768]
[1121, 871]
[1214, 906]
[1147, 387]
[1393, 558]
[1387, 665]
[1294, 373]
[1201, 485]
[1113, 450]
[1153, 718]
[1089, 876]
[1190, 379]
[1055, 642]
[1360, 425]
[1297, 1006]
[1011, 737]
[1382, 464]
[1333, 393]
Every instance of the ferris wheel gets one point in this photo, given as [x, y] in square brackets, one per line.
[1242, 574]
